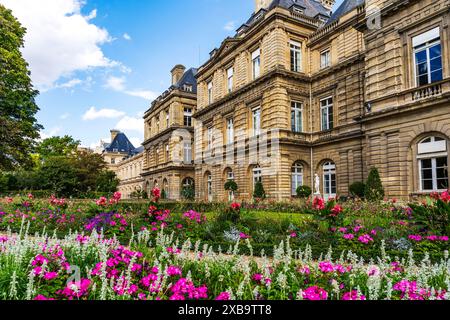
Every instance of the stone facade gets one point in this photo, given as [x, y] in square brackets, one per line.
[339, 95]
[169, 127]
[129, 173]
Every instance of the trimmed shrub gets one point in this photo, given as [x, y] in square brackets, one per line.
[259, 192]
[374, 188]
[303, 192]
[358, 189]
[231, 186]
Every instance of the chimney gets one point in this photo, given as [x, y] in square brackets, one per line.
[177, 73]
[261, 4]
[114, 134]
[328, 4]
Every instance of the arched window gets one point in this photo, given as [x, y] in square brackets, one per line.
[329, 180]
[257, 176]
[166, 188]
[432, 156]
[229, 176]
[209, 186]
[297, 177]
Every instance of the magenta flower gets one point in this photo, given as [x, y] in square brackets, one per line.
[353, 295]
[224, 296]
[315, 293]
[50, 275]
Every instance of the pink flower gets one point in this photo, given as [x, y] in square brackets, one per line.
[318, 203]
[236, 206]
[326, 267]
[416, 238]
[224, 296]
[156, 192]
[349, 236]
[244, 236]
[365, 239]
[40, 297]
[293, 235]
[50, 275]
[257, 277]
[353, 295]
[315, 293]
[30, 196]
[117, 196]
[174, 271]
[304, 270]
[337, 210]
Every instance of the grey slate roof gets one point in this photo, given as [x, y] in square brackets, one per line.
[188, 78]
[344, 8]
[122, 144]
[312, 8]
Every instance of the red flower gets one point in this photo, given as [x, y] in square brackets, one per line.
[336, 210]
[236, 206]
[318, 203]
[156, 192]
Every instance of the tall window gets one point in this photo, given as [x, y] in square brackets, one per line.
[428, 57]
[230, 130]
[210, 138]
[296, 117]
[167, 119]
[297, 177]
[325, 59]
[210, 187]
[188, 117]
[230, 177]
[167, 153]
[296, 56]
[210, 92]
[187, 154]
[326, 109]
[157, 126]
[256, 63]
[433, 164]
[329, 180]
[256, 120]
[230, 75]
[257, 176]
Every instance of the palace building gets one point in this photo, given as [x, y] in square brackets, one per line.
[366, 86]
[169, 127]
[301, 91]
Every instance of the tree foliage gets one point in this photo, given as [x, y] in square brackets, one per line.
[18, 125]
[374, 188]
[259, 192]
[57, 146]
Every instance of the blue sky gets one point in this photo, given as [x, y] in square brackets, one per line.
[98, 63]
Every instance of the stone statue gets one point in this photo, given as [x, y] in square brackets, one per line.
[317, 183]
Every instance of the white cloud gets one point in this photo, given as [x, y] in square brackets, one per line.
[137, 142]
[70, 84]
[230, 26]
[118, 84]
[51, 133]
[93, 114]
[131, 124]
[59, 39]
[127, 37]
[65, 116]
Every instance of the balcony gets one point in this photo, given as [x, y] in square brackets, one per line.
[425, 92]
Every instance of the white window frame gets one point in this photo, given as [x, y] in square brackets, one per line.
[167, 153]
[230, 130]
[256, 176]
[230, 78]
[210, 92]
[329, 170]
[187, 152]
[210, 138]
[187, 120]
[295, 56]
[325, 59]
[210, 187]
[329, 125]
[433, 150]
[256, 64]
[426, 47]
[297, 177]
[168, 119]
[256, 121]
[297, 109]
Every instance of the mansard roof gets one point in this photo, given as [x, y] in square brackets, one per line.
[121, 144]
[189, 79]
[346, 7]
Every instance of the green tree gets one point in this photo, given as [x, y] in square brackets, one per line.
[374, 188]
[18, 124]
[57, 147]
[3, 182]
[59, 176]
[87, 166]
[107, 182]
[357, 189]
[259, 192]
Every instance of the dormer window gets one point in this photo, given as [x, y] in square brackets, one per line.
[187, 87]
[298, 10]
